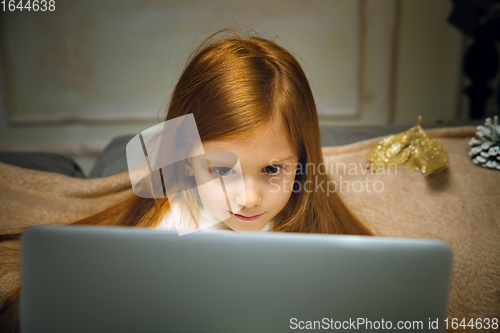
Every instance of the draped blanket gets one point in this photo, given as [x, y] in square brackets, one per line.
[459, 205]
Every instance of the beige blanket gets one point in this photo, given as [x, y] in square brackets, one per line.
[460, 206]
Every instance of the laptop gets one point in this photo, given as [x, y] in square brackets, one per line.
[119, 279]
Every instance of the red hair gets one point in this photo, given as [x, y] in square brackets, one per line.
[235, 86]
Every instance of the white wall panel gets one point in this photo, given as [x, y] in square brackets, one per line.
[72, 79]
[117, 60]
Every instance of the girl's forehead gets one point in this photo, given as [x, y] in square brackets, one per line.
[264, 142]
[262, 148]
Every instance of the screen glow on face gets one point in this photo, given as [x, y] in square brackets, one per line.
[260, 184]
[156, 159]
[243, 182]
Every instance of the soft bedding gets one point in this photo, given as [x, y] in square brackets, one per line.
[459, 206]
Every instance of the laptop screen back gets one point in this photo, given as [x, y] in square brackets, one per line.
[98, 279]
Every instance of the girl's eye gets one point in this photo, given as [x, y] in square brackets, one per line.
[273, 170]
[223, 171]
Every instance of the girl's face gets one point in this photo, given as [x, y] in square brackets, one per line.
[268, 166]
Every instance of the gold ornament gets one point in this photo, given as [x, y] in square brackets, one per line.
[412, 147]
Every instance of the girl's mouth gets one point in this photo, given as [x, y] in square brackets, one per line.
[244, 218]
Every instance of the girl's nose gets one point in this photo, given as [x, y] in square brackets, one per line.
[252, 195]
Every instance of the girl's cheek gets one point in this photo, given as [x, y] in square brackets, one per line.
[214, 200]
[278, 184]
[291, 183]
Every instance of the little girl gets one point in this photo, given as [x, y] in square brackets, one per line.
[249, 97]
[243, 182]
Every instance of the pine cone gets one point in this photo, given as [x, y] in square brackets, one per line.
[486, 148]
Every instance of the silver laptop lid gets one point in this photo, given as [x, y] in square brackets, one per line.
[99, 279]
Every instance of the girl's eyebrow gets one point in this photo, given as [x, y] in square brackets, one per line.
[273, 161]
[279, 160]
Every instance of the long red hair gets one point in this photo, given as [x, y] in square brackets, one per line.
[235, 86]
